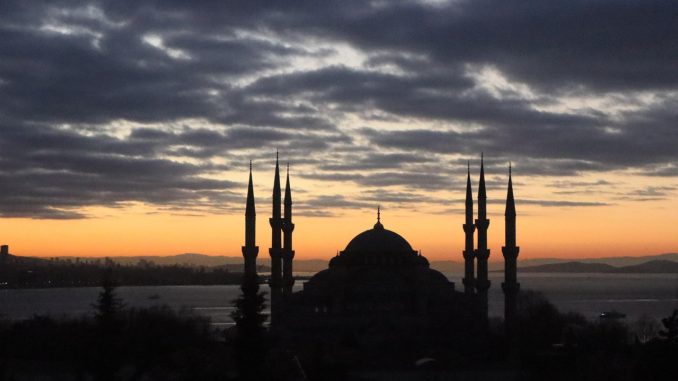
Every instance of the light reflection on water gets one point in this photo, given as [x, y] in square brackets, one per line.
[589, 294]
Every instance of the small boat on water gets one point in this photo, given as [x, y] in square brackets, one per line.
[612, 315]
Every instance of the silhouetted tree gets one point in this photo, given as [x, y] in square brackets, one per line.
[249, 320]
[108, 304]
[539, 323]
[670, 331]
[108, 307]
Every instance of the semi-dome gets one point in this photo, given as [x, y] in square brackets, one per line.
[378, 240]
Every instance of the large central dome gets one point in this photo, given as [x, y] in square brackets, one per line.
[378, 240]
[378, 247]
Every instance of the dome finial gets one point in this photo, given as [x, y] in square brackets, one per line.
[378, 225]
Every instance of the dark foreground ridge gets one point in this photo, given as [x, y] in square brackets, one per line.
[119, 343]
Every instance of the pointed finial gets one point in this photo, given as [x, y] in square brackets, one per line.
[510, 203]
[378, 225]
[276, 154]
[468, 167]
[481, 183]
[250, 165]
[288, 168]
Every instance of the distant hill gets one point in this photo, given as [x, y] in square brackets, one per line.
[656, 266]
[445, 266]
[649, 267]
[613, 261]
[458, 266]
[186, 259]
[570, 267]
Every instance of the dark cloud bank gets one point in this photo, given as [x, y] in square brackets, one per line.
[71, 70]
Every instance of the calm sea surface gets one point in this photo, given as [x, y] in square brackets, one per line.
[655, 295]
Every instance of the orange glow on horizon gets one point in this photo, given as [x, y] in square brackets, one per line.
[564, 233]
[610, 226]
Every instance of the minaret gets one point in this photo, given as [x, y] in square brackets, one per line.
[288, 228]
[469, 228]
[510, 251]
[275, 251]
[482, 252]
[250, 250]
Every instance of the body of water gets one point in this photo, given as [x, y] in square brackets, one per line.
[635, 295]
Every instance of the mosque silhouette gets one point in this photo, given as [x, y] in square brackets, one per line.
[379, 291]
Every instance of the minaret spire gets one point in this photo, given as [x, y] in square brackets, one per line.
[276, 245]
[469, 229]
[482, 193]
[250, 250]
[482, 252]
[288, 228]
[249, 208]
[276, 188]
[510, 202]
[288, 196]
[510, 286]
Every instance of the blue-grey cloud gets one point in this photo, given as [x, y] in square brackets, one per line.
[70, 69]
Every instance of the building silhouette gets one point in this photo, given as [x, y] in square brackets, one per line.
[469, 228]
[482, 253]
[510, 286]
[250, 250]
[276, 222]
[288, 228]
[4, 254]
[379, 286]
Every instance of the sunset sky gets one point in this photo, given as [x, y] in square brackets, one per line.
[126, 127]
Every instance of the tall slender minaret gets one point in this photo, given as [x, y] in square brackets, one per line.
[250, 250]
[469, 228]
[510, 251]
[288, 228]
[275, 251]
[482, 252]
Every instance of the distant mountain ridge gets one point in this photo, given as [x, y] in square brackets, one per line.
[613, 261]
[650, 267]
[633, 264]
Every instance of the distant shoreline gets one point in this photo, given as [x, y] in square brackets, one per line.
[198, 269]
[649, 267]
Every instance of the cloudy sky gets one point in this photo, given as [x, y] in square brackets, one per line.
[126, 127]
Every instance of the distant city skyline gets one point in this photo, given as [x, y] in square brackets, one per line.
[127, 128]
